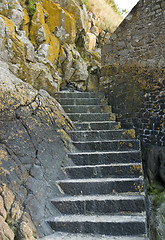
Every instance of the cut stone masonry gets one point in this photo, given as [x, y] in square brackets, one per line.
[104, 195]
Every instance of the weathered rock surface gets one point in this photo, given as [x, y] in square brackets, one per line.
[31, 155]
[5, 231]
[13, 10]
[61, 23]
[35, 45]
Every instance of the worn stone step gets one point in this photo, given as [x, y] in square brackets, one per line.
[113, 225]
[95, 158]
[102, 135]
[81, 101]
[104, 171]
[104, 125]
[109, 145]
[88, 117]
[79, 236]
[78, 95]
[87, 108]
[103, 204]
[94, 186]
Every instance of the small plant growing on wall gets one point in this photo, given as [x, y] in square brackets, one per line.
[31, 8]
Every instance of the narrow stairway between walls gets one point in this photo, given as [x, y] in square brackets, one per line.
[104, 196]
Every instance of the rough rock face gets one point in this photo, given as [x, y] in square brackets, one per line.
[18, 51]
[33, 132]
[32, 38]
[12, 10]
[60, 22]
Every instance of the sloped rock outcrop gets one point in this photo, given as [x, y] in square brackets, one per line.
[33, 143]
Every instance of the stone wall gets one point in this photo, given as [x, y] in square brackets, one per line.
[133, 77]
[133, 71]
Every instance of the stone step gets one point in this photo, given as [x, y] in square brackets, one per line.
[103, 204]
[81, 101]
[109, 225]
[78, 95]
[78, 236]
[101, 186]
[102, 135]
[88, 117]
[109, 145]
[95, 158]
[104, 171]
[87, 108]
[105, 125]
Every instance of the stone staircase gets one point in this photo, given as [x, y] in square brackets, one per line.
[104, 196]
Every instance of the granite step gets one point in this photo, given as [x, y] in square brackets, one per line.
[108, 225]
[104, 195]
[100, 204]
[108, 145]
[94, 125]
[87, 108]
[101, 135]
[94, 158]
[94, 186]
[104, 171]
[78, 95]
[88, 117]
[82, 101]
[79, 236]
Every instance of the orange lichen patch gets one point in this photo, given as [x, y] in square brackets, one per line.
[130, 145]
[139, 187]
[56, 113]
[26, 22]
[136, 168]
[10, 25]
[54, 48]
[108, 109]
[130, 133]
[117, 126]
[59, 17]
[4, 171]
[38, 24]
[3, 156]
[66, 139]
[112, 117]
[11, 169]
[62, 121]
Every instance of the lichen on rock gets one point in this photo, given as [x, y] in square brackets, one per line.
[31, 155]
[60, 22]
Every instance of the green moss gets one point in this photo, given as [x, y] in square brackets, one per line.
[31, 8]
[158, 238]
[157, 191]
[86, 2]
[14, 226]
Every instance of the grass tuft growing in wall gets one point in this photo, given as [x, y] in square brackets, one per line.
[106, 12]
